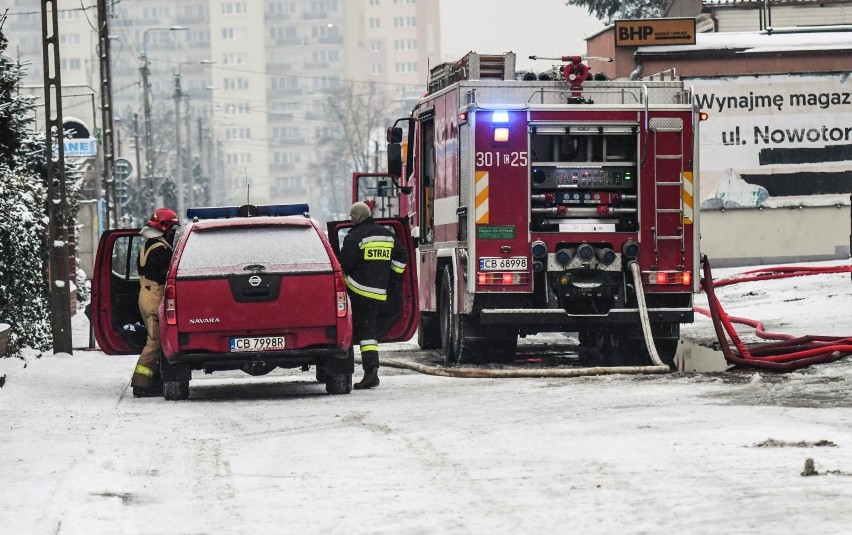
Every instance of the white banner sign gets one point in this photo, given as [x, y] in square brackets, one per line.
[789, 134]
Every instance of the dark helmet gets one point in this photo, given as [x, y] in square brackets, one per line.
[163, 219]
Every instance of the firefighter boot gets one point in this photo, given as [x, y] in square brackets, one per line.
[370, 380]
[154, 390]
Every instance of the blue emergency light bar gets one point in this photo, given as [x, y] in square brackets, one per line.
[247, 210]
[500, 117]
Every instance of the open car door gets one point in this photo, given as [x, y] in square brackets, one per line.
[402, 318]
[115, 293]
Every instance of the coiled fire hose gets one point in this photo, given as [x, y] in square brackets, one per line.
[658, 367]
[791, 353]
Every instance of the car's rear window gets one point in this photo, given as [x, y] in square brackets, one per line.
[273, 245]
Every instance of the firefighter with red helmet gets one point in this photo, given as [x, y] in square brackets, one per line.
[370, 256]
[153, 264]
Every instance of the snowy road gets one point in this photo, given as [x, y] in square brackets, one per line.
[682, 453]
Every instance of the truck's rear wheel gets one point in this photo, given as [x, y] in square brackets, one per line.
[666, 338]
[501, 345]
[338, 383]
[175, 390]
[429, 331]
[447, 317]
[619, 349]
[175, 380]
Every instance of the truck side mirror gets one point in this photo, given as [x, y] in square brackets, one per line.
[394, 134]
[395, 159]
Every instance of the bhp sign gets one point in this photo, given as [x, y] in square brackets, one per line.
[655, 32]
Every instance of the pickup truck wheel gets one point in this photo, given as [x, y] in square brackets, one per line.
[338, 384]
[321, 375]
[175, 390]
[175, 379]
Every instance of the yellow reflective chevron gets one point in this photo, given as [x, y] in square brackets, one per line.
[687, 194]
[481, 213]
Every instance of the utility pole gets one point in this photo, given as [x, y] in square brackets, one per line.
[59, 269]
[146, 97]
[190, 179]
[107, 141]
[149, 162]
[138, 159]
[178, 164]
[201, 156]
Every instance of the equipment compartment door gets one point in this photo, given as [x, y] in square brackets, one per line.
[405, 325]
[499, 203]
[115, 292]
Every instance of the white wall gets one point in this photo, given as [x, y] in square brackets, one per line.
[744, 237]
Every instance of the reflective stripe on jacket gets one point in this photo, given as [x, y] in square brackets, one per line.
[369, 254]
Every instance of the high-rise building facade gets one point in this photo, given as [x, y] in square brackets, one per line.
[254, 78]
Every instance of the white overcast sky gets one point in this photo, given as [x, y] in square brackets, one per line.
[525, 27]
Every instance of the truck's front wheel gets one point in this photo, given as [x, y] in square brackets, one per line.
[447, 317]
[429, 331]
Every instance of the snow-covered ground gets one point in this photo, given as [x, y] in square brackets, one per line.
[679, 453]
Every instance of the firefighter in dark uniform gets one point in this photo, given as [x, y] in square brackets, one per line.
[370, 256]
[153, 263]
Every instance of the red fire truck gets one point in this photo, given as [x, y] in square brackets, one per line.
[547, 202]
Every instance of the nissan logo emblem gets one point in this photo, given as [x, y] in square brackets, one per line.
[254, 280]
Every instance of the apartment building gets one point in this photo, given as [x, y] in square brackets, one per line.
[254, 76]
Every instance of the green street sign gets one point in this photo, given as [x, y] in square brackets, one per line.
[495, 232]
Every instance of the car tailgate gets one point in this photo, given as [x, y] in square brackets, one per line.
[246, 304]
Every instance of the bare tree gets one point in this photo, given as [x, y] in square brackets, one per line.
[358, 114]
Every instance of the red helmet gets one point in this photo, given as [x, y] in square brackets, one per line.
[163, 219]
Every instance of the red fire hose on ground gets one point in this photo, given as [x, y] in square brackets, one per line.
[790, 353]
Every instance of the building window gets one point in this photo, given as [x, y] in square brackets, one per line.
[323, 6]
[405, 67]
[70, 64]
[374, 22]
[238, 158]
[375, 46]
[282, 32]
[286, 132]
[376, 69]
[238, 132]
[69, 39]
[234, 8]
[237, 108]
[234, 58]
[198, 36]
[286, 158]
[286, 83]
[198, 11]
[232, 84]
[282, 8]
[153, 12]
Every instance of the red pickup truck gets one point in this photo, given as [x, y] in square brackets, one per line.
[251, 288]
